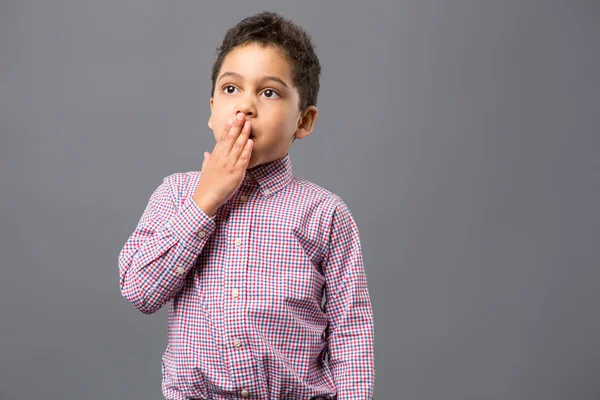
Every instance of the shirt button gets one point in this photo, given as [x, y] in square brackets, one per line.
[235, 293]
[244, 198]
[238, 242]
[201, 234]
[180, 270]
[267, 192]
[245, 393]
[237, 343]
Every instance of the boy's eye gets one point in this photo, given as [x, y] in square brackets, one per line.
[270, 92]
[228, 89]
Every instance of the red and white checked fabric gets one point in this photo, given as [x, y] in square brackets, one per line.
[245, 289]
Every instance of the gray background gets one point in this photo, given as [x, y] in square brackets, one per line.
[463, 135]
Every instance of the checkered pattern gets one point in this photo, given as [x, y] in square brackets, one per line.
[267, 299]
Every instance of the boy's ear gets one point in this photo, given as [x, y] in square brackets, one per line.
[307, 122]
[210, 119]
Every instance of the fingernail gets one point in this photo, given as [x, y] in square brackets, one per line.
[230, 122]
[246, 124]
[240, 116]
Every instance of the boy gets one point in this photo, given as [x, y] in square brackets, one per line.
[244, 252]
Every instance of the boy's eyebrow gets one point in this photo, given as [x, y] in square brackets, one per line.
[264, 78]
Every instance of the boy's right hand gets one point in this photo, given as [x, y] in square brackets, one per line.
[223, 171]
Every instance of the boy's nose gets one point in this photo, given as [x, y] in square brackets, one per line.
[247, 113]
[246, 106]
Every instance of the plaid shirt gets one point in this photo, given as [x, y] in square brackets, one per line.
[267, 299]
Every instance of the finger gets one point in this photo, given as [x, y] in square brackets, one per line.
[223, 136]
[244, 158]
[240, 142]
[234, 132]
[221, 141]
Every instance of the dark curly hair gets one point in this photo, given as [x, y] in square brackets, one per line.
[269, 28]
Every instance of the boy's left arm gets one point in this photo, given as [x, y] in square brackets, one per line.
[348, 307]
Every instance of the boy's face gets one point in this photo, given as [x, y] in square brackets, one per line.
[257, 81]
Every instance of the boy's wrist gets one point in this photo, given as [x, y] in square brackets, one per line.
[208, 207]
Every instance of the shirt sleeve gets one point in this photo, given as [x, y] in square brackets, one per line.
[348, 307]
[155, 260]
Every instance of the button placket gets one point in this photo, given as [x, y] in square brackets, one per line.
[238, 354]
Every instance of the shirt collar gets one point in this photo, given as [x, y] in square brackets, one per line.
[272, 176]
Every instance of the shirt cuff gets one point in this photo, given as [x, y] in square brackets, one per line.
[192, 225]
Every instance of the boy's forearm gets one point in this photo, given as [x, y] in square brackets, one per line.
[154, 262]
[351, 353]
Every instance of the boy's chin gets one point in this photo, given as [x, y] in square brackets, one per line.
[253, 161]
